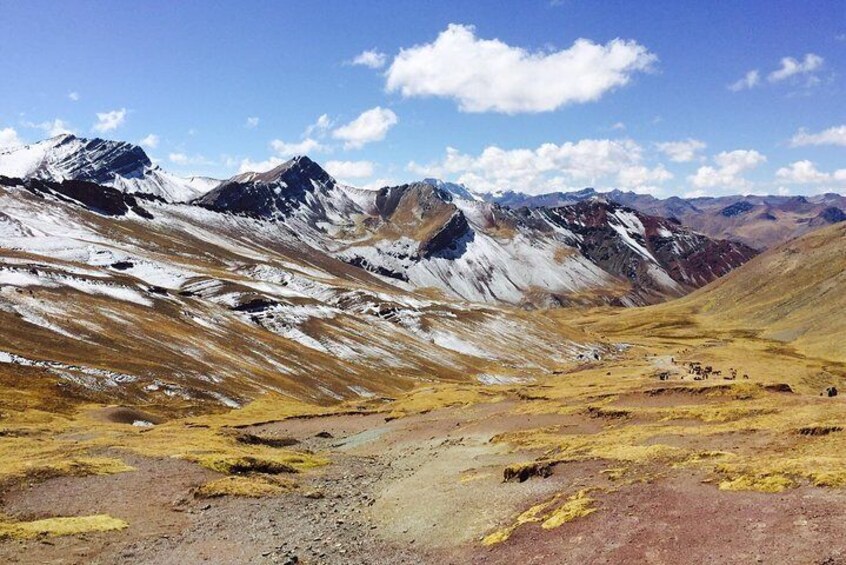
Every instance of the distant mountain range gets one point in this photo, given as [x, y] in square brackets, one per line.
[759, 221]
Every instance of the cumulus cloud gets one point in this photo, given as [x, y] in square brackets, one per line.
[151, 141]
[320, 127]
[603, 163]
[642, 179]
[73, 96]
[250, 166]
[730, 166]
[372, 58]
[806, 172]
[109, 121]
[307, 145]
[52, 127]
[683, 151]
[791, 67]
[344, 170]
[831, 136]
[372, 125]
[251, 122]
[9, 138]
[750, 80]
[178, 158]
[485, 75]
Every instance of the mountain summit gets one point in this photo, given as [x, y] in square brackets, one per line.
[117, 164]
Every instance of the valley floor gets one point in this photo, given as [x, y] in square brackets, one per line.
[621, 460]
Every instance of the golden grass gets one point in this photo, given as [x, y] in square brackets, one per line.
[575, 506]
[761, 483]
[65, 526]
[429, 398]
[38, 446]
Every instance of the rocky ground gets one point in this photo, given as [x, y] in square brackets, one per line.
[425, 489]
[677, 470]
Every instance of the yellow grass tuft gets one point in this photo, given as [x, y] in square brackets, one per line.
[761, 483]
[577, 506]
[51, 527]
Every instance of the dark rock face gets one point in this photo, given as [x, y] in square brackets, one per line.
[736, 209]
[272, 194]
[833, 215]
[447, 237]
[101, 199]
[690, 259]
[101, 161]
[363, 263]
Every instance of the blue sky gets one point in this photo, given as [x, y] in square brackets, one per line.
[663, 97]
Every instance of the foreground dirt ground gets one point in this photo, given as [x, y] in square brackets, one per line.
[629, 459]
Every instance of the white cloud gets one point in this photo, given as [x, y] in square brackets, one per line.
[344, 170]
[320, 127]
[285, 149]
[832, 136]
[151, 141]
[619, 126]
[307, 145]
[251, 122]
[380, 183]
[372, 58]
[683, 151]
[249, 166]
[790, 67]
[185, 159]
[640, 178]
[750, 80]
[74, 96]
[806, 172]
[52, 127]
[108, 121]
[9, 138]
[730, 166]
[488, 75]
[603, 163]
[371, 125]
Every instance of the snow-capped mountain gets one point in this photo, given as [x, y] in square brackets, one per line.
[298, 189]
[122, 298]
[430, 234]
[455, 189]
[434, 234]
[289, 281]
[117, 164]
[756, 220]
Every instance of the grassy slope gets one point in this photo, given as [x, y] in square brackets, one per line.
[791, 295]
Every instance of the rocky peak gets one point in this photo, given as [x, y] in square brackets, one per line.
[296, 184]
[297, 171]
[117, 164]
[452, 189]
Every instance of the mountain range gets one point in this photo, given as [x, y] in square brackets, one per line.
[282, 340]
[312, 284]
[760, 221]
